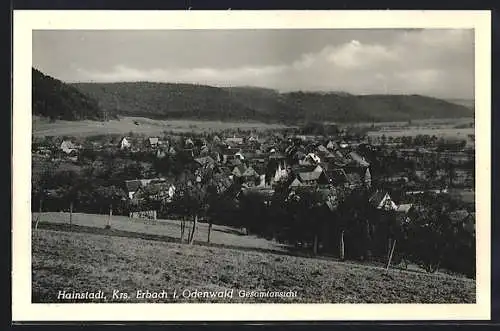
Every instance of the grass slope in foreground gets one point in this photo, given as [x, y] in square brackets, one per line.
[87, 262]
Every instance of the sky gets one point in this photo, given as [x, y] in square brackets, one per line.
[435, 62]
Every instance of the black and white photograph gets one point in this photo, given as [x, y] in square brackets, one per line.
[241, 165]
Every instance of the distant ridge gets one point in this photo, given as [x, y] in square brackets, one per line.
[193, 101]
[469, 103]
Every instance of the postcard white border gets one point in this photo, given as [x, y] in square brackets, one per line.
[24, 21]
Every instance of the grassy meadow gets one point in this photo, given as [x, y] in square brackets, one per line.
[90, 262]
[165, 229]
[42, 127]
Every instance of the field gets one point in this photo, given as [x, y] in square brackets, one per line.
[447, 133]
[42, 127]
[446, 128]
[91, 262]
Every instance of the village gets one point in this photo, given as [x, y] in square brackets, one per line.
[147, 177]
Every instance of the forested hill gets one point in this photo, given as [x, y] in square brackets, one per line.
[57, 100]
[168, 100]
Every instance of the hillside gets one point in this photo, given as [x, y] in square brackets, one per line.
[87, 262]
[57, 100]
[166, 100]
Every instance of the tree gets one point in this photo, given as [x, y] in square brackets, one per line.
[216, 186]
[309, 206]
[73, 194]
[431, 231]
[40, 182]
[112, 197]
[191, 199]
[451, 172]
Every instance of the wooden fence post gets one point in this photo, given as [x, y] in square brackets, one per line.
[209, 230]
[39, 214]
[183, 227]
[110, 214]
[390, 255]
[315, 244]
[342, 247]
[70, 214]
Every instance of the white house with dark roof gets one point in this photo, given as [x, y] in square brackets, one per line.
[382, 200]
[153, 142]
[125, 143]
[68, 147]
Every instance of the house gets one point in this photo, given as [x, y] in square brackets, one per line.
[359, 160]
[298, 156]
[216, 140]
[155, 190]
[229, 154]
[312, 158]
[318, 168]
[296, 168]
[253, 139]
[397, 178]
[403, 213]
[171, 151]
[239, 155]
[291, 149]
[354, 180]
[224, 170]
[238, 170]
[250, 172]
[421, 174]
[280, 174]
[233, 161]
[382, 200]
[464, 220]
[125, 143]
[68, 147]
[187, 153]
[132, 186]
[204, 150]
[336, 158]
[160, 153]
[265, 192]
[336, 176]
[322, 149]
[329, 157]
[234, 141]
[332, 145]
[154, 142]
[188, 143]
[246, 175]
[251, 177]
[368, 178]
[262, 181]
[313, 178]
[295, 183]
[275, 155]
[205, 161]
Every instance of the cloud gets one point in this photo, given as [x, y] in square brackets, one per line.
[417, 61]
